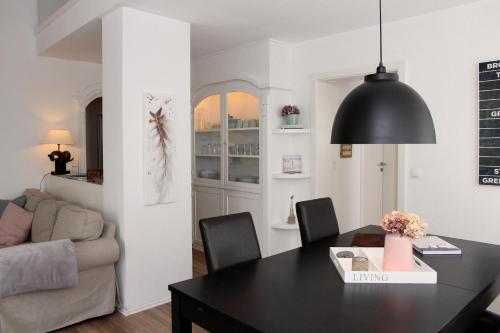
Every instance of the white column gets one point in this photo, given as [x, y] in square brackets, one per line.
[145, 52]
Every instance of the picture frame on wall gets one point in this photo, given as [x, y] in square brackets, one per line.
[489, 123]
[159, 148]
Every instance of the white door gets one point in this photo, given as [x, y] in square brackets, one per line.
[239, 202]
[378, 182]
[207, 202]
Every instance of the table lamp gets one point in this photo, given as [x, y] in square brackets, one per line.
[59, 137]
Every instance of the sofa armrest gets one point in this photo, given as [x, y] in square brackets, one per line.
[96, 253]
[108, 230]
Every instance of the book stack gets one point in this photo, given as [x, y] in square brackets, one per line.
[434, 245]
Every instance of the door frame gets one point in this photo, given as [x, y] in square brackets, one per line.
[400, 68]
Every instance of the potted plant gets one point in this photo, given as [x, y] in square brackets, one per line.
[401, 228]
[291, 113]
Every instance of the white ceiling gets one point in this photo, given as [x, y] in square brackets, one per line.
[222, 24]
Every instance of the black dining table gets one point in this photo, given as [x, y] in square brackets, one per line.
[301, 291]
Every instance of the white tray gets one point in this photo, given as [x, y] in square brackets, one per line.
[421, 273]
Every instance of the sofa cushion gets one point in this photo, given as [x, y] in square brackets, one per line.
[44, 220]
[20, 201]
[33, 198]
[77, 224]
[15, 225]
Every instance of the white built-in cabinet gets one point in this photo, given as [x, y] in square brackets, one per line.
[207, 202]
[227, 145]
[210, 202]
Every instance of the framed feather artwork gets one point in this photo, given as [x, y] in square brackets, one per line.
[159, 148]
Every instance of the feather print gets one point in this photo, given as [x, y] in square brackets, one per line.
[159, 128]
[160, 146]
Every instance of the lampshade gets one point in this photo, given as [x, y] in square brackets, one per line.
[383, 110]
[58, 137]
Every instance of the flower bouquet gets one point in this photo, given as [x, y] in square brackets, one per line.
[291, 113]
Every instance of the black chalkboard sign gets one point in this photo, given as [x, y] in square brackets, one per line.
[489, 123]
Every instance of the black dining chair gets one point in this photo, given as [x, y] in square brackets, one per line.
[229, 240]
[487, 323]
[317, 220]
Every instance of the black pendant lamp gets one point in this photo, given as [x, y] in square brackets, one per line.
[383, 110]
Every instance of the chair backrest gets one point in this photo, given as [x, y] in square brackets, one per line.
[317, 220]
[229, 240]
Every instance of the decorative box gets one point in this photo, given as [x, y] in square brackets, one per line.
[292, 163]
[421, 274]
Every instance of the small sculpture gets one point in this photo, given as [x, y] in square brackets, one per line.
[291, 217]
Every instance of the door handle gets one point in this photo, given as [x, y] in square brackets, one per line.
[382, 164]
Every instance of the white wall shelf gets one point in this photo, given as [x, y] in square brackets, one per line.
[291, 175]
[292, 131]
[285, 226]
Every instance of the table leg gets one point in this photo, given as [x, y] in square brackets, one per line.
[180, 324]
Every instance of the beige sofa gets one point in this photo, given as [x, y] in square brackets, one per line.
[96, 250]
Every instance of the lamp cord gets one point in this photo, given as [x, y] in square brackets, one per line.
[43, 178]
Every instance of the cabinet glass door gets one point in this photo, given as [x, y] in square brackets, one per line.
[243, 111]
[207, 138]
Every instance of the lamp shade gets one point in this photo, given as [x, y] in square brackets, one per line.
[383, 110]
[58, 137]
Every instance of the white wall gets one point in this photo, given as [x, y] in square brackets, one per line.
[82, 193]
[48, 7]
[441, 51]
[68, 33]
[248, 62]
[37, 94]
[144, 52]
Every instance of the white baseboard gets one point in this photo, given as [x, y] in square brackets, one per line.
[127, 312]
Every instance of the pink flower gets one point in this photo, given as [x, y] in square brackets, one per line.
[405, 224]
[289, 109]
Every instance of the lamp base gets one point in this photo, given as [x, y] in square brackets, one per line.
[60, 167]
[55, 173]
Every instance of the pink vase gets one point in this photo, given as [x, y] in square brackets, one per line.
[398, 253]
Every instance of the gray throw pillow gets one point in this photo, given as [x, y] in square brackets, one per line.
[20, 201]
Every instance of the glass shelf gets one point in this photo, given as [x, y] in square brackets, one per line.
[215, 130]
[243, 114]
[207, 155]
[207, 145]
[231, 153]
[244, 129]
[244, 156]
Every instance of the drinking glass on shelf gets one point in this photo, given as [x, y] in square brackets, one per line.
[248, 149]
[255, 149]
[232, 149]
[241, 149]
[209, 150]
[204, 150]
